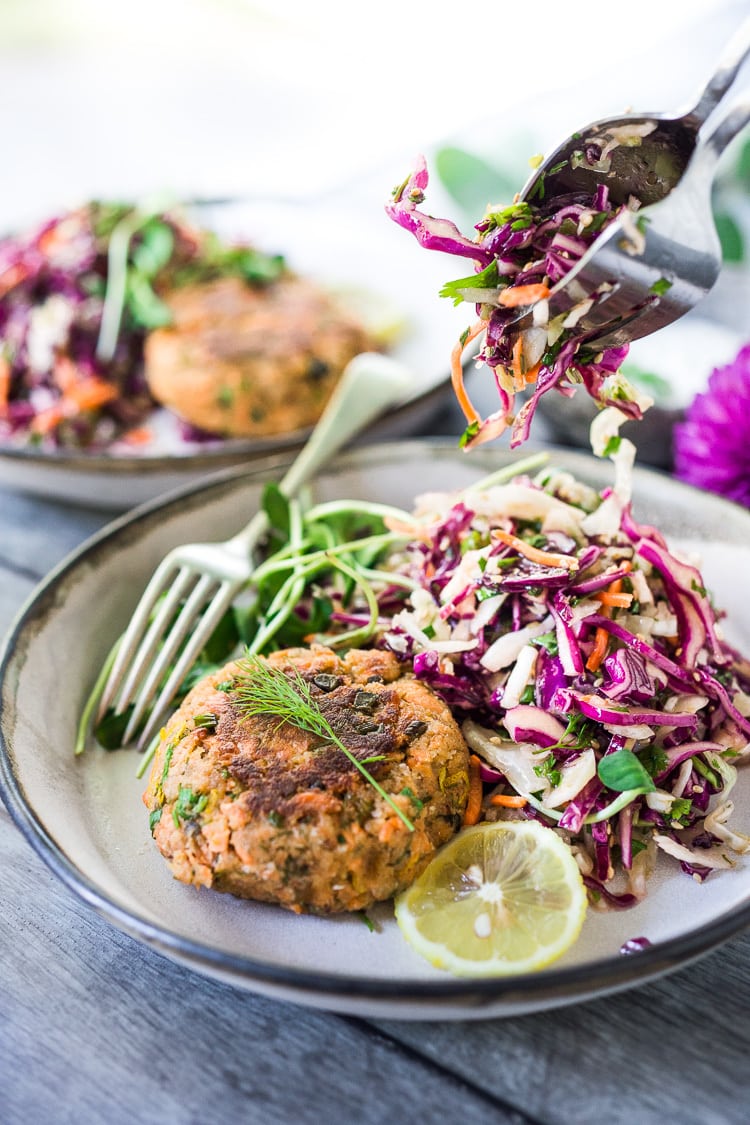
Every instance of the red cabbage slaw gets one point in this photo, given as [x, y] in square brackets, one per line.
[586, 663]
[519, 253]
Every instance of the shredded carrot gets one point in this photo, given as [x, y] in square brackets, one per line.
[519, 379]
[609, 598]
[599, 651]
[11, 277]
[544, 558]
[508, 800]
[4, 384]
[46, 420]
[516, 295]
[521, 376]
[65, 373]
[533, 373]
[91, 394]
[413, 530]
[141, 435]
[457, 372]
[474, 803]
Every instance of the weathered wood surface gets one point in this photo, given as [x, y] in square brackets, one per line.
[96, 1028]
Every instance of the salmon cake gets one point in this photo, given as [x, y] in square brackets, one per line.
[249, 361]
[259, 808]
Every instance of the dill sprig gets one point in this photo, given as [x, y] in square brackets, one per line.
[261, 689]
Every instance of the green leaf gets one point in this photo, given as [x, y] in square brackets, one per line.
[153, 249]
[662, 286]
[488, 278]
[224, 638]
[147, 310]
[108, 733]
[622, 770]
[730, 237]
[471, 180]
[470, 432]
[548, 641]
[252, 265]
[276, 506]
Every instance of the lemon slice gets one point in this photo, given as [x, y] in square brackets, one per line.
[499, 899]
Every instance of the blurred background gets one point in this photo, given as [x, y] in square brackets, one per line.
[331, 101]
[219, 97]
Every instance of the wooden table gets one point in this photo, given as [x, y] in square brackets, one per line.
[96, 1028]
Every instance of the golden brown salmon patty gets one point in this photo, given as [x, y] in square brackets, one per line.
[270, 812]
[245, 361]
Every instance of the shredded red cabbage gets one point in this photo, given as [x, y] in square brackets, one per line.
[588, 667]
[519, 254]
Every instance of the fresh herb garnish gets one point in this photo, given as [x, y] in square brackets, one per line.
[679, 812]
[110, 730]
[418, 805]
[261, 689]
[548, 641]
[206, 721]
[470, 432]
[661, 287]
[548, 768]
[488, 278]
[188, 805]
[622, 771]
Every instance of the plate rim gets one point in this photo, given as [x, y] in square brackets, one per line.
[524, 992]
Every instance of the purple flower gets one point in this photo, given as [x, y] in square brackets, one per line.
[712, 445]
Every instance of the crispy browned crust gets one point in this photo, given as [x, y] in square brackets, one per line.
[285, 817]
[241, 360]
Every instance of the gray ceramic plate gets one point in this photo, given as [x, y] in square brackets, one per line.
[85, 817]
[348, 245]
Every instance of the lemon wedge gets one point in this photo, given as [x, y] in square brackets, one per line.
[499, 899]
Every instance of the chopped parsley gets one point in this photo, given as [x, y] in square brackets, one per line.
[188, 805]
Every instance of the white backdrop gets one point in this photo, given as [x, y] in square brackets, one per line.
[295, 98]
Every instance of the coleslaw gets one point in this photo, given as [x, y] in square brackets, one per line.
[520, 252]
[587, 661]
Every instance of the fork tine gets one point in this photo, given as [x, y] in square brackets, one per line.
[221, 602]
[150, 642]
[134, 633]
[197, 599]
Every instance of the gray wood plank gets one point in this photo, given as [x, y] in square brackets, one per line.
[96, 1028]
[14, 589]
[673, 1050]
[37, 533]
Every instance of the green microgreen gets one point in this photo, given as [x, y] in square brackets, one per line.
[622, 771]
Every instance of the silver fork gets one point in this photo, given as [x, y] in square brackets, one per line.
[199, 581]
[649, 268]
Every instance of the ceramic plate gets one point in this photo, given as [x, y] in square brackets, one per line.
[350, 246]
[85, 817]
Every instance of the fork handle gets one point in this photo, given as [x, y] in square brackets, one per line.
[715, 137]
[730, 62]
[369, 384]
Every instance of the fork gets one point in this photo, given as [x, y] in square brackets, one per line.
[197, 582]
[647, 269]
